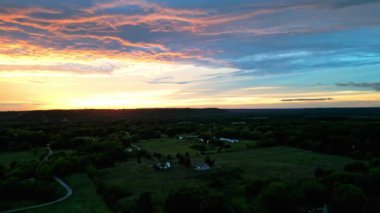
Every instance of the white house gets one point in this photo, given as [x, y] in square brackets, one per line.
[164, 165]
[228, 140]
[201, 166]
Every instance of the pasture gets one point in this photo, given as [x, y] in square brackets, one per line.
[84, 198]
[8, 157]
[275, 162]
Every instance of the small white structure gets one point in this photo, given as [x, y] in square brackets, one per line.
[164, 165]
[228, 140]
[325, 209]
[187, 137]
[201, 166]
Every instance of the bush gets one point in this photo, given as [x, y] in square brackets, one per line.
[145, 204]
[254, 188]
[356, 179]
[347, 198]
[313, 193]
[215, 203]
[209, 162]
[185, 200]
[374, 181]
[322, 173]
[358, 167]
[267, 142]
[276, 198]
[111, 194]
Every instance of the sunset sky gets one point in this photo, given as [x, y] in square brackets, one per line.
[76, 54]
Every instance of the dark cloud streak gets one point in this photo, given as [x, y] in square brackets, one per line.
[306, 99]
[367, 85]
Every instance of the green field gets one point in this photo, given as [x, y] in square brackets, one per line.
[173, 146]
[138, 178]
[279, 162]
[7, 157]
[168, 146]
[84, 198]
[275, 162]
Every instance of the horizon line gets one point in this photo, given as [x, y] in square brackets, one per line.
[197, 108]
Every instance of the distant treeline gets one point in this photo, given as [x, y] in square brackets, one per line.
[46, 116]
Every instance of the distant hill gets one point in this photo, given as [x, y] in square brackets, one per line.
[107, 114]
[178, 113]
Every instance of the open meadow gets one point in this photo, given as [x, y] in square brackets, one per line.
[278, 162]
[84, 198]
[8, 157]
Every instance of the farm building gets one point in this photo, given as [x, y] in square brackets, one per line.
[164, 165]
[201, 166]
[228, 140]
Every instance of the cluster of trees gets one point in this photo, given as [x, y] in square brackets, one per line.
[344, 136]
[348, 136]
[209, 161]
[28, 189]
[110, 194]
[23, 181]
[191, 200]
[14, 139]
[184, 159]
[354, 190]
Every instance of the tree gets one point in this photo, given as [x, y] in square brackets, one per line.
[347, 198]
[2, 171]
[359, 167]
[276, 198]
[187, 162]
[44, 172]
[374, 181]
[313, 193]
[209, 162]
[185, 200]
[145, 204]
[346, 178]
[215, 203]
[254, 188]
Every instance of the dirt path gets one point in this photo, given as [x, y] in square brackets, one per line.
[69, 191]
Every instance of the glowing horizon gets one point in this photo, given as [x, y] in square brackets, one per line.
[154, 54]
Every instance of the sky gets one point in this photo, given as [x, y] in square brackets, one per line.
[189, 53]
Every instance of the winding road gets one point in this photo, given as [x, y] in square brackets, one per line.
[69, 191]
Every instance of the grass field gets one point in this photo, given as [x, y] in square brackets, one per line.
[84, 198]
[7, 157]
[168, 146]
[173, 146]
[138, 178]
[274, 162]
[279, 162]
